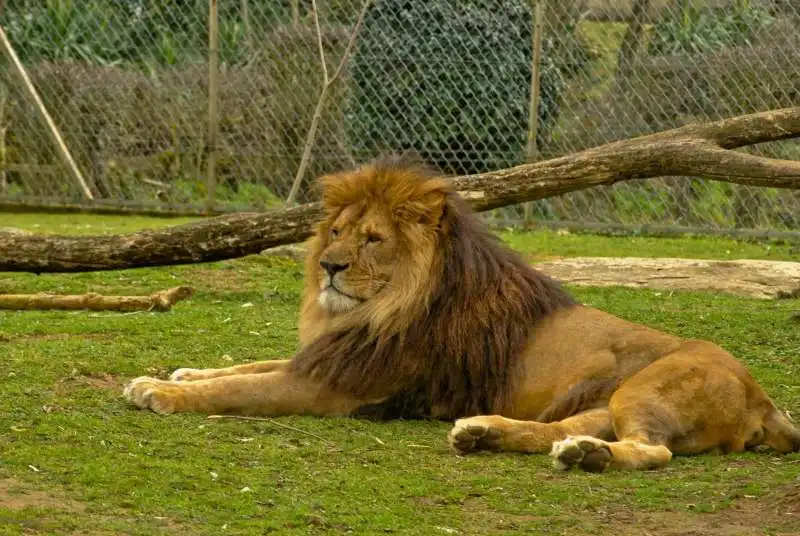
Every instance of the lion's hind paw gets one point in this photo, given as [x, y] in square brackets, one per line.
[589, 453]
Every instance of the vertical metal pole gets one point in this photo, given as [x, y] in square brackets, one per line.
[531, 152]
[213, 91]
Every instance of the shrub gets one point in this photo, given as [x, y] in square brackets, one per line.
[449, 80]
[700, 30]
[123, 125]
[141, 32]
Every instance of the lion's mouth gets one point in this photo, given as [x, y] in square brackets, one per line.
[336, 301]
[333, 287]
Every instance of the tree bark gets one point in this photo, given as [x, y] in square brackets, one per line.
[695, 150]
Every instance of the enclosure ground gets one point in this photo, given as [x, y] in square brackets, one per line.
[75, 459]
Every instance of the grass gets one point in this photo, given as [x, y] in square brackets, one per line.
[74, 458]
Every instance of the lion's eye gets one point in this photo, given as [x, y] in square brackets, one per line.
[334, 233]
[374, 239]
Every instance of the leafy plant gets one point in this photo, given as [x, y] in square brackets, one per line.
[698, 30]
[138, 32]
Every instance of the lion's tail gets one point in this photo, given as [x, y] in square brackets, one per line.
[779, 432]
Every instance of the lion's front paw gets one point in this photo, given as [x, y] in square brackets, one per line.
[186, 375]
[589, 453]
[153, 394]
[474, 433]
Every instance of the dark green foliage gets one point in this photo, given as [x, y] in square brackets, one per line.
[141, 32]
[450, 80]
[700, 29]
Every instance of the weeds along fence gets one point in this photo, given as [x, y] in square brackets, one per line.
[150, 123]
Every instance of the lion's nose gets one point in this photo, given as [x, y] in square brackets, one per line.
[333, 268]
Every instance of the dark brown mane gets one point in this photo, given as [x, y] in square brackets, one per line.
[460, 356]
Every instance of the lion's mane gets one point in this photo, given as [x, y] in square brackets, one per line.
[457, 349]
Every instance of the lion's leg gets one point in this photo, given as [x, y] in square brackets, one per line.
[596, 455]
[266, 394]
[493, 432]
[696, 400]
[191, 374]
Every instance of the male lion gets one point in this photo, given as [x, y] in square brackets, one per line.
[412, 308]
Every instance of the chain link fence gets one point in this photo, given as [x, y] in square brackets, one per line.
[127, 85]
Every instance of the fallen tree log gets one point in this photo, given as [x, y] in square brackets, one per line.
[694, 150]
[160, 301]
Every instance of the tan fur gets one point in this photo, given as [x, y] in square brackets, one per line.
[411, 308]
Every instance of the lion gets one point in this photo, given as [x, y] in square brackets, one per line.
[412, 308]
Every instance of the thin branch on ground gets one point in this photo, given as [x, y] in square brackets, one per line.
[276, 423]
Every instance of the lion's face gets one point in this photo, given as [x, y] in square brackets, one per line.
[375, 248]
[358, 260]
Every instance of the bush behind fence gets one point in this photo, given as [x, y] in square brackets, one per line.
[126, 82]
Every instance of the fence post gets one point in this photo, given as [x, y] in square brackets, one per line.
[531, 151]
[3, 129]
[213, 90]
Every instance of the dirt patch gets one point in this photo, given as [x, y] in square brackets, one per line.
[750, 278]
[788, 500]
[95, 381]
[777, 513]
[18, 495]
[14, 495]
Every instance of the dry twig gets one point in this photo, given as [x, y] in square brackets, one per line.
[327, 83]
[274, 422]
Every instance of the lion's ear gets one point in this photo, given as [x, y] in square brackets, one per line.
[335, 188]
[434, 207]
[426, 209]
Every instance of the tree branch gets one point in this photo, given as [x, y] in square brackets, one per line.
[327, 83]
[318, 30]
[692, 150]
[160, 301]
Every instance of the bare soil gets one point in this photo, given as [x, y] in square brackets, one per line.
[16, 495]
[749, 278]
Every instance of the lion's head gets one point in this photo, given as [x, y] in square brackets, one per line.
[407, 291]
[376, 247]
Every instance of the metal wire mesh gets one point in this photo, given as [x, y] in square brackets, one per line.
[126, 82]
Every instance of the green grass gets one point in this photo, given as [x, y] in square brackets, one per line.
[102, 467]
[547, 243]
[82, 224]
